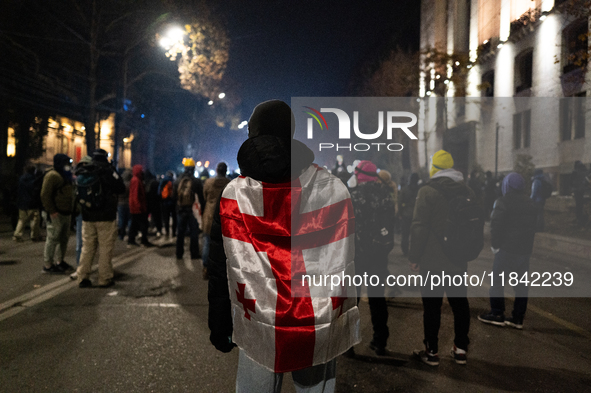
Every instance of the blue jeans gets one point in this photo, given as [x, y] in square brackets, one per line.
[252, 377]
[78, 237]
[507, 263]
[186, 221]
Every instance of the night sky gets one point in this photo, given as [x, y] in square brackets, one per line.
[290, 48]
[283, 49]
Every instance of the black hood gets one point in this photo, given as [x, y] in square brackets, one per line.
[273, 159]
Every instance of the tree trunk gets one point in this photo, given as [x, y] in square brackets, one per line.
[25, 118]
[4, 122]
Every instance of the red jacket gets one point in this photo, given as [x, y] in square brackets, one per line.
[137, 193]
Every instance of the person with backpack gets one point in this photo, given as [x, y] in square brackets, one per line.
[446, 233]
[512, 230]
[138, 208]
[541, 189]
[28, 204]
[57, 197]
[406, 207]
[167, 204]
[97, 187]
[375, 213]
[188, 194]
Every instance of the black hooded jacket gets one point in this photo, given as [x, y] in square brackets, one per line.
[265, 158]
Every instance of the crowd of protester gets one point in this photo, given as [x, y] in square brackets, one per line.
[250, 232]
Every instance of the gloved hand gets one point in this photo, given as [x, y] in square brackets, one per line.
[221, 342]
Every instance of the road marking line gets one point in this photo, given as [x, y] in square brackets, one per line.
[560, 321]
[554, 318]
[46, 292]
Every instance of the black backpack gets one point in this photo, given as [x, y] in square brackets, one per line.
[89, 190]
[463, 235]
[375, 207]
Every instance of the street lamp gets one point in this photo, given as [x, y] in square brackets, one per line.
[173, 36]
[173, 41]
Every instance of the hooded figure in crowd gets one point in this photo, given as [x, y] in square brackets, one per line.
[276, 224]
[512, 230]
[374, 239]
[57, 196]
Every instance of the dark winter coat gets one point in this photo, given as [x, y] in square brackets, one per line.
[211, 192]
[536, 188]
[57, 193]
[369, 199]
[513, 223]
[406, 201]
[112, 185]
[428, 225]
[28, 192]
[138, 203]
[265, 158]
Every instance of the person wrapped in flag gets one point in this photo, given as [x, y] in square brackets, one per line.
[283, 221]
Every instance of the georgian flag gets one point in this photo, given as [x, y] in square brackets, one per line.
[274, 234]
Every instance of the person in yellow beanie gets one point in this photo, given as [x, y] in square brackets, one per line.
[440, 160]
[426, 254]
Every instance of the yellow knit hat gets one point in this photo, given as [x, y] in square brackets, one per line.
[188, 162]
[440, 160]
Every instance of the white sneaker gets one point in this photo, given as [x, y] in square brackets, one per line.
[74, 276]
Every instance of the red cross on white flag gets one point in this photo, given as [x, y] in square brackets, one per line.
[273, 235]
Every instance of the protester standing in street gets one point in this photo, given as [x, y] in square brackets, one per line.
[212, 189]
[427, 255]
[165, 191]
[138, 208]
[57, 196]
[186, 191]
[86, 160]
[512, 230]
[279, 330]
[28, 204]
[99, 213]
[374, 239]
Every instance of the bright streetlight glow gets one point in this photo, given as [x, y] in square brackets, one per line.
[211, 173]
[222, 95]
[210, 103]
[242, 125]
[174, 38]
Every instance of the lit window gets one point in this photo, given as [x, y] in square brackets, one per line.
[11, 147]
